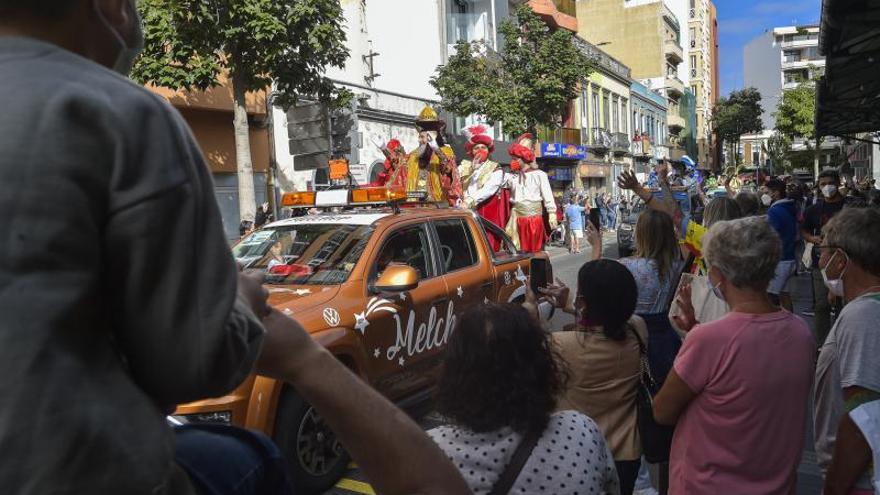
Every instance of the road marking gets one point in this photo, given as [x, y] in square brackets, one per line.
[355, 486]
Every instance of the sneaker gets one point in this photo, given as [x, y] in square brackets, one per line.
[808, 313]
[646, 491]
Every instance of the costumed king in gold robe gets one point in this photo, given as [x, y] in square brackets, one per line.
[431, 167]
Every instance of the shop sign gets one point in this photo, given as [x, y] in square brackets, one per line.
[551, 149]
[567, 151]
[574, 152]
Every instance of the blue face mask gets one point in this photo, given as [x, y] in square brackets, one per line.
[716, 289]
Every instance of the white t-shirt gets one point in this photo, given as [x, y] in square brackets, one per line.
[867, 418]
[571, 457]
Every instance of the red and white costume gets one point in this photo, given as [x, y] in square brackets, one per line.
[394, 173]
[484, 184]
[531, 196]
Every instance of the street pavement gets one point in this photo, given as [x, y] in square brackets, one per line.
[565, 267]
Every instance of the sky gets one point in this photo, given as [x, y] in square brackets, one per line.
[739, 21]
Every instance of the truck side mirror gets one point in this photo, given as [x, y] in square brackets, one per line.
[397, 278]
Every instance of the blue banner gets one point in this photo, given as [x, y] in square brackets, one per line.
[551, 149]
[567, 151]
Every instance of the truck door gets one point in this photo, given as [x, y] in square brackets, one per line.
[510, 267]
[403, 332]
[467, 269]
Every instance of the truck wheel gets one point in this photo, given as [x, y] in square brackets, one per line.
[316, 459]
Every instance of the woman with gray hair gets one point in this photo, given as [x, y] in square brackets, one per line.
[739, 383]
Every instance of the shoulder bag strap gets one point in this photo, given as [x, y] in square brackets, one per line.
[520, 456]
[647, 378]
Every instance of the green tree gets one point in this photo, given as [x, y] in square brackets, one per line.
[777, 148]
[192, 44]
[528, 84]
[738, 114]
[796, 118]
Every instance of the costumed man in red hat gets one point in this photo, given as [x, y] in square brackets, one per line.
[485, 189]
[531, 197]
[394, 174]
[431, 167]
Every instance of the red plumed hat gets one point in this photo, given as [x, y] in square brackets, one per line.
[519, 151]
[478, 135]
[393, 145]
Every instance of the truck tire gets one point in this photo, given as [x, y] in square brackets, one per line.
[316, 460]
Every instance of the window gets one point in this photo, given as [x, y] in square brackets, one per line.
[635, 129]
[615, 113]
[407, 246]
[596, 109]
[457, 249]
[506, 248]
[605, 109]
[693, 61]
[304, 254]
[623, 112]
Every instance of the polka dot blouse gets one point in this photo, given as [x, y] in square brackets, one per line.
[571, 457]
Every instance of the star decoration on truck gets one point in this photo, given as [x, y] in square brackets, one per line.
[361, 322]
[460, 292]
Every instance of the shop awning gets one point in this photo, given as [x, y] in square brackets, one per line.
[848, 96]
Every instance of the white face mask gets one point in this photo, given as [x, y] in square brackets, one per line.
[766, 199]
[127, 54]
[716, 289]
[829, 190]
[835, 286]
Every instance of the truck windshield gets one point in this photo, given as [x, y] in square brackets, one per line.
[313, 254]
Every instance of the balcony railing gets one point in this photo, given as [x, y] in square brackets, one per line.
[620, 143]
[673, 52]
[674, 86]
[600, 138]
[693, 13]
[564, 135]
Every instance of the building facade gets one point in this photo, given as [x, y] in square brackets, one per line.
[703, 62]
[779, 59]
[650, 138]
[775, 61]
[647, 35]
[389, 68]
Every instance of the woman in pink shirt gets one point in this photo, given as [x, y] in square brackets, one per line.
[738, 390]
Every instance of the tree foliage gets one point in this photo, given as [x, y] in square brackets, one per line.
[777, 149]
[528, 84]
[796, 113]
[738, 114]
[191, 43]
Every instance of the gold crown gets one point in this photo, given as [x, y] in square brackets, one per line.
[427, 115]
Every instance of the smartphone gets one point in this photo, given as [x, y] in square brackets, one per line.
[539, 273]
[595, 220]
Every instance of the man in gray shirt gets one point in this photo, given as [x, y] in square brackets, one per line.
[847, 374]
[119, 297]
[118, 293]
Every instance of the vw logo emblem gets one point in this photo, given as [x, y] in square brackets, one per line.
[331, 316]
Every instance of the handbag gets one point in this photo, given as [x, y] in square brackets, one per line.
[707, 306]
[517, 461]
[656, 438]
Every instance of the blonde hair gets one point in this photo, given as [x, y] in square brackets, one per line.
[656, 240]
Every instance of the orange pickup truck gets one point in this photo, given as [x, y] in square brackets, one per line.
[381, 288]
